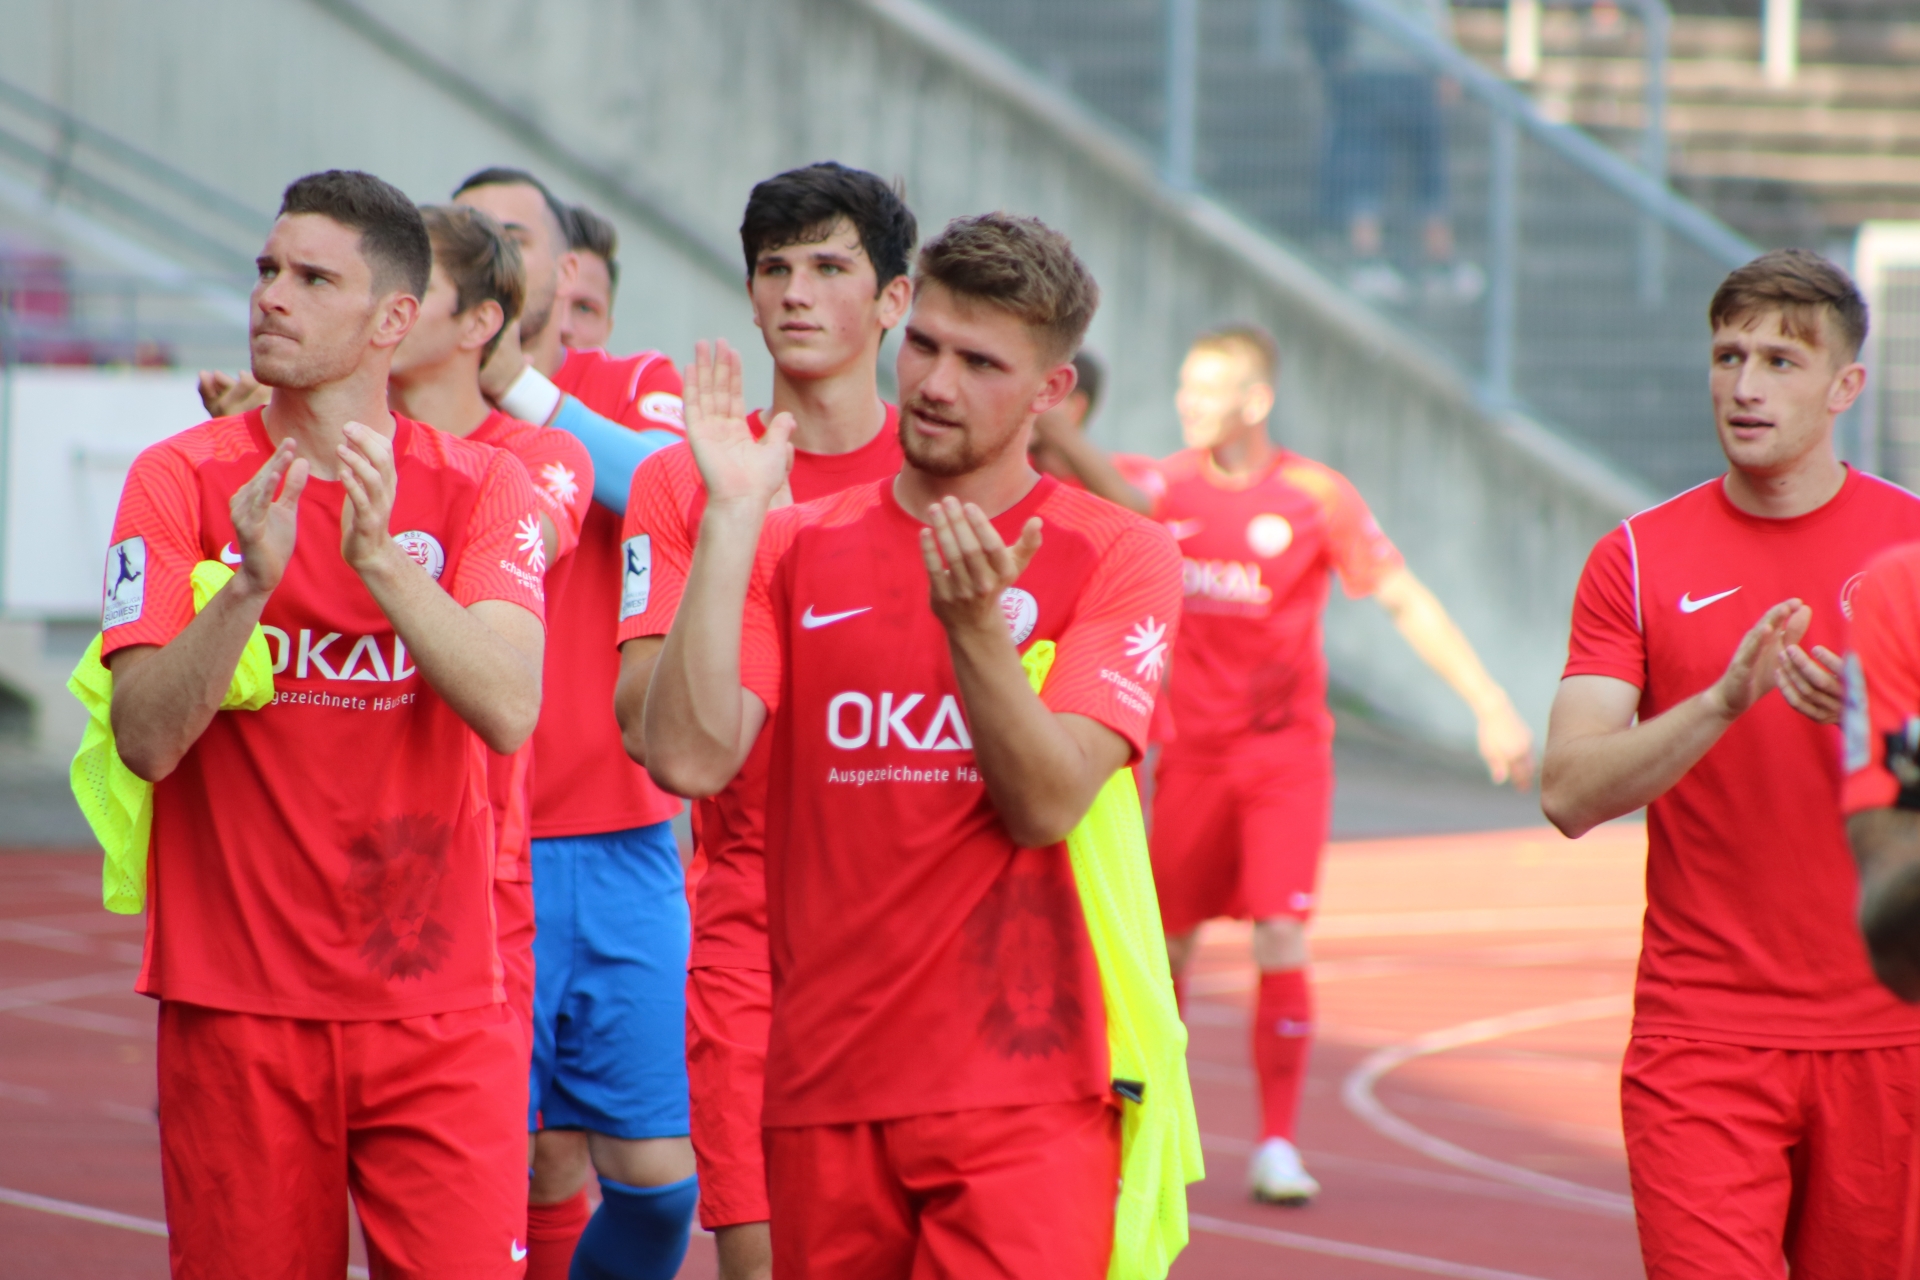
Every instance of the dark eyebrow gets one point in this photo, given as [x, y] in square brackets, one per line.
[310, 269]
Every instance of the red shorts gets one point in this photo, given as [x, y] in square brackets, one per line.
[268, 1124]
[1745, 1161]
[1240, 833]
[728, 1013]
[1011, 1191]
[513, 924]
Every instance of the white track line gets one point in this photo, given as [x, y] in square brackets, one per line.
[1342, 1249]
[1406, 924]
[1357, 1092]
[105, 1217]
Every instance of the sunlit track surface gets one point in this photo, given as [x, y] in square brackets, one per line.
[1462, 1110]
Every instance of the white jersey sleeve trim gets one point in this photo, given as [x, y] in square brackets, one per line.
[1633, 557]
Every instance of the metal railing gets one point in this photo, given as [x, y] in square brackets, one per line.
[1564, 278]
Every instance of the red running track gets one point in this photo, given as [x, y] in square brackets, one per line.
[1462, 1108]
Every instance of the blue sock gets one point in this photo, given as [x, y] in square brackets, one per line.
[637, 1233]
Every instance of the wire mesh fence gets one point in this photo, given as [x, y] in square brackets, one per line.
[1556, 273]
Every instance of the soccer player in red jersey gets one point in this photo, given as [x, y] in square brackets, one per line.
[586, 310]
[609, 1087]
[474, 292]
[1244, 793]
[937, 1095]
[1061, 449]
[320, 935]
[1769, 1089]
[827, 251]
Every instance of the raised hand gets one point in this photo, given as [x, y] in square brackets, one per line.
[969, 565]
[263, 525]
[1812, 684]
[1756, 663]
[735, 466]
[225, 394]
[367, 473]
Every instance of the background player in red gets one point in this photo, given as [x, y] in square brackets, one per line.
[472, 295]
[610, 944]
[586, 308]
[1061, 449]
[1245, 791]
[938, 1099]
[1770, 1087]
[321, 937]
[827, 252]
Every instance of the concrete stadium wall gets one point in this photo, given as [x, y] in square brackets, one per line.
[664, 114]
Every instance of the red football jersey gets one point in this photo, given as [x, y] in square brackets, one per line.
[1749, 935]
[1258, 561]
[332, 854]
[1883, 686]
[562, 476]
[922, 962]
[584, 783]
[663, 519]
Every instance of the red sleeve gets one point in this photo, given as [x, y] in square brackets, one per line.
[1361, 551]
[504, 557]
[1606, 638]
[1113, 654]
[562, 476]
[147, 592]
[1883, 685]
[656, 543]
[762, 657]
[1144, 474]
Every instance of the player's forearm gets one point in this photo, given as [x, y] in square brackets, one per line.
[1595, 777]
[491, 683]
[1886, 844]
[1037, 775]
[695, 709]
[164, 698]
[1423, 620]
[1097, 472]
[616, 452]
[638, 657]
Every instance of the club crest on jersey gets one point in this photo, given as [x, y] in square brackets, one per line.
[425, 550]
[126, 583]
[1269, 534]
[665, 408]
[1022, 612]
[1848, 590]
[636, 578]
[854, 721]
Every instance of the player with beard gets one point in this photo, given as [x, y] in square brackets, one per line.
[320, 935]
[586, 311]
[827, 252]
[937, 1091]
[472, 294]
[609, 1090]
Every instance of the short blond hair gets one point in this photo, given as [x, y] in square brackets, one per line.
[1248, 341]
[480, 259]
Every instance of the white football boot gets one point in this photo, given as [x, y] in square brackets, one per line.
[1278, 1176]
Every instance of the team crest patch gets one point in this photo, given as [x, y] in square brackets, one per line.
[126, 583]
[425, 550]
[665, 408]
[1269, 534]
[636, 579]
[1022, 612]
[1847, 592]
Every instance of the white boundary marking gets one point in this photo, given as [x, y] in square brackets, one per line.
[1343, 1249]
[1357, 1092]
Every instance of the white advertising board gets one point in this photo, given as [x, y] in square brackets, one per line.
[69, 437]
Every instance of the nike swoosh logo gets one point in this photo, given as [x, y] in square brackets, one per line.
[1689, 605]
[228, 555]
[810, 619]
[1183, 529]
[518, 1251]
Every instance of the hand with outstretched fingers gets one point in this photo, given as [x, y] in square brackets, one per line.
[367, 474]
[264, 524]
[1812, 683]
[969, 565]
[736, 467]
[227, 394]
[1756, 663]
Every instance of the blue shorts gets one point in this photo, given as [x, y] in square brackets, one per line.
[610, 984]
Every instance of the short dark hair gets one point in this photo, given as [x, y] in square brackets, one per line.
[1020, 265]
[1092, 377]
[502, 177]
[1247, 339]
[1800, 285]
[393, 239]
[801, 205]
[588, 232]
[481, 259]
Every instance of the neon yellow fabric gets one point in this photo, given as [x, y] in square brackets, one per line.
[118, 805]
[1146, 1041]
